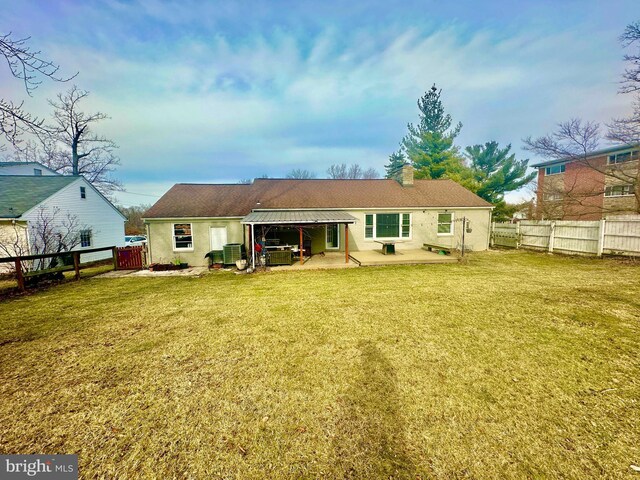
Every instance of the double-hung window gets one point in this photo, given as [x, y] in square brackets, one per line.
[182, 237]
[85, 238]
[445, 224]
[387, 225]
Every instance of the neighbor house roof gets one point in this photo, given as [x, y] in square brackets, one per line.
[200, 200]
[20, 193]
[595, 153]
[19, 164]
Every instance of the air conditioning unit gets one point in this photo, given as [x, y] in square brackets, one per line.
[231, 253]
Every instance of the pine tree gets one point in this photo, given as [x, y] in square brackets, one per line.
[429, 144]
[396, 161]
[495, 171]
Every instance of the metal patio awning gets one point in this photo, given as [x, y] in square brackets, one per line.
[297, 217]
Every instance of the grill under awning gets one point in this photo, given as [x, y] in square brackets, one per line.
[298, 217]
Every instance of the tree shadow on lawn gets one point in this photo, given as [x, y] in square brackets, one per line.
[370, 437]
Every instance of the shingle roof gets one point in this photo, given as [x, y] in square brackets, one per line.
[200, 200]
[20, 193]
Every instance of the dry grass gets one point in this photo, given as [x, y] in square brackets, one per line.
[512, 365]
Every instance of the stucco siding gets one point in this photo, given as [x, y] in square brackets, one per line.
[424, 229]
[161, 241]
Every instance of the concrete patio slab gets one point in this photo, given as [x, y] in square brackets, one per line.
[401, 257]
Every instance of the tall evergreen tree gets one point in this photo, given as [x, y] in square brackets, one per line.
[396, 160]
[429, 144]
[495, 171]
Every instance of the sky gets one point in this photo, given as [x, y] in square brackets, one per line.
[219, 91]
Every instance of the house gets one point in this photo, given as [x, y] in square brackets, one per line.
[591, 188]
[25, 168]
[37, 206]
[328, 215]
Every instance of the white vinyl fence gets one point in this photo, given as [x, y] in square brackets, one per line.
[614, 236]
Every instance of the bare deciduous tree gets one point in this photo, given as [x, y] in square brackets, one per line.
[627, 130]
[354, 171]
[31, 67]
[631, 76]
[72, 147]
[301, 174]
[50, 232]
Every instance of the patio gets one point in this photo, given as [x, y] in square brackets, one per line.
[367, 258]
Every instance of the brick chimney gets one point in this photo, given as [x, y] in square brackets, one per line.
[404, 175]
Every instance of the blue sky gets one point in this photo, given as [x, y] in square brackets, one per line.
[220, 91]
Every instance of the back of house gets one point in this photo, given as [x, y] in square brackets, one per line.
[191, 220]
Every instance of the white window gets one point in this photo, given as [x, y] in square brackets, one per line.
[85, 238]
[182, 238]
[555, 169]
[618, 190]
[445, 224]
[551, 197]
[387, 225]
[623, 157]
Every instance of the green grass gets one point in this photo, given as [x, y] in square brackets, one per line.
[514, 365]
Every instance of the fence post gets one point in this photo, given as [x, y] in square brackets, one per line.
[493, 232]
[601, 238]
[517, 235]
[19, 276]
[551, 236]
[76, 264]
[115, 257]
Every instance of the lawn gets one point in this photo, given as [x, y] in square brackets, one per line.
[513, 364]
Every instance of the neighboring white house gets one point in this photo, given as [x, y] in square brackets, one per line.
[25, 168]
[25, 200]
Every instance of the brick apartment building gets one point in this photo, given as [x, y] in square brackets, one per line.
[591, 188]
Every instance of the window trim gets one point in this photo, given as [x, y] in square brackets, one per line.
[611, 187]
[630, 151]
[89, 234]
[173, 237]
[374, 226]
[548, 170]
[451, 223]
[552, 197]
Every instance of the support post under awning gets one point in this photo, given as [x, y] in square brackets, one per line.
[346, 243]
[301, 247]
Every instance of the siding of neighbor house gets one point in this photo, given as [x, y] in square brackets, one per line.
[8, 234]
[20, 168]
[424, 229]
[93, 212]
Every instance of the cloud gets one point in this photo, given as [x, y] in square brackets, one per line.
[211, 92]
